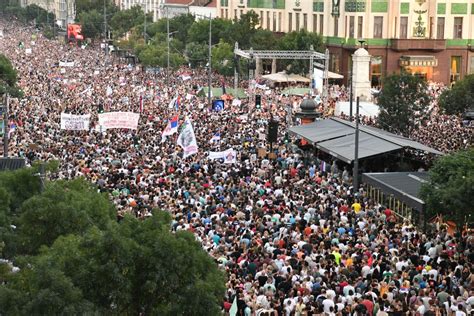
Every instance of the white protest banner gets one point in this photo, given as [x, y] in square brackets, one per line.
[74, 122]
[187, 139]
[119, 120]
[236, 102]
[66, 64]
[229, 155]
[28, 51]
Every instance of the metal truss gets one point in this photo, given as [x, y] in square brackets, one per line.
[317, 59]
[279, 54]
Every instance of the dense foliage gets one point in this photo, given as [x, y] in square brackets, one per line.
[459, 98]
[8, 77]
[451, 187]
[402, 102]
[75, 258]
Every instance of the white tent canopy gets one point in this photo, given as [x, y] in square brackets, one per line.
[365, 108]
[284, 77]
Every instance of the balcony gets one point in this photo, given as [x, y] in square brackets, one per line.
[418, 44]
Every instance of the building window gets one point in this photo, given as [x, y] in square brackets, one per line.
[403, 27]
[235, 14]
[274, 21]
[321, 24]
[360, 23]
[455, 68]
[440, 28]
[297, 20]
[315, 23]
[457, 28]
[305, 21]
[334, 62]
[290, 22]
[226, 13]
[261, 19]
[351, 26]
[268, 20]
[376, 70]
[431, 27]
[336, 26]
[279, 22]
[378, 26]
[471, 66]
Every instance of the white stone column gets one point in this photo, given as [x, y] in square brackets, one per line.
[274, 65]
[361, 75]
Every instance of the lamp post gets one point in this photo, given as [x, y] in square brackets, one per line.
[355, 172]
[210, 59]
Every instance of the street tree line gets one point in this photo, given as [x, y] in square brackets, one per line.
[189, 36]
[74, 257]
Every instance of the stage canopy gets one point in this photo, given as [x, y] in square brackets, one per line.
[284, 77]
[336, 137]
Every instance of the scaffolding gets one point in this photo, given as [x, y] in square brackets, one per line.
[317, 59]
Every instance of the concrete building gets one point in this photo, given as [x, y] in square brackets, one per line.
[172, 8]
[64, 10]
[432, 38]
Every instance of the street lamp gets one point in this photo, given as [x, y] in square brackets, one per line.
[355, 172]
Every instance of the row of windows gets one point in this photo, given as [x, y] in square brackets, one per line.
[273, 21]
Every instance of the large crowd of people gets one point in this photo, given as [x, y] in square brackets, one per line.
[293, 238]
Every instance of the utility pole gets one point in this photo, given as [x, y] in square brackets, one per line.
[351, 78]
[5, 127]
[144, 31]
[168, 55]
[210, 60]
[311, 63]
[355, 172]
[105, 34]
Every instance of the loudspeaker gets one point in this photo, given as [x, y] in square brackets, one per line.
[272, 134]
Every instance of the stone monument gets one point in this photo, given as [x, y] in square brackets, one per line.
[361, 74]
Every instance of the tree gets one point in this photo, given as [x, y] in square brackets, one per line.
[129, 267]
[222, 58]
[451, 187]
[197, 54]
[301, 40]
[8, 78]
[459, 98]
[124, 20]
[403, 99]
[92, 23]
[98, 5]
[65, 207]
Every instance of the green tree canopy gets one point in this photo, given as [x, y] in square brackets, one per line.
[301, 40]
[403, 99]
[459, 98]
[451, 187]
[8, 77]
[222, 58]
[92, 23]
[85, 262]
[124, 20]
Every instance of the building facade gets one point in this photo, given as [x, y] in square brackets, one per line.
[430, 38]
[171, 8]
[64, 10]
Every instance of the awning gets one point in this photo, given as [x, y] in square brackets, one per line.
[418, 61]
[405, 186]
[336, 137]
[284, 77]
[333, 75]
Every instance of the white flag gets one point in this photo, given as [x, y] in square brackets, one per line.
[109, 91]
[187, 139]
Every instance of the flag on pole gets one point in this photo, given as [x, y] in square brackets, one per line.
[172, 103]
[234, 308]
[215, 138]
[141, 104]
[187, 139]
[177, 102]
[171, 128]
